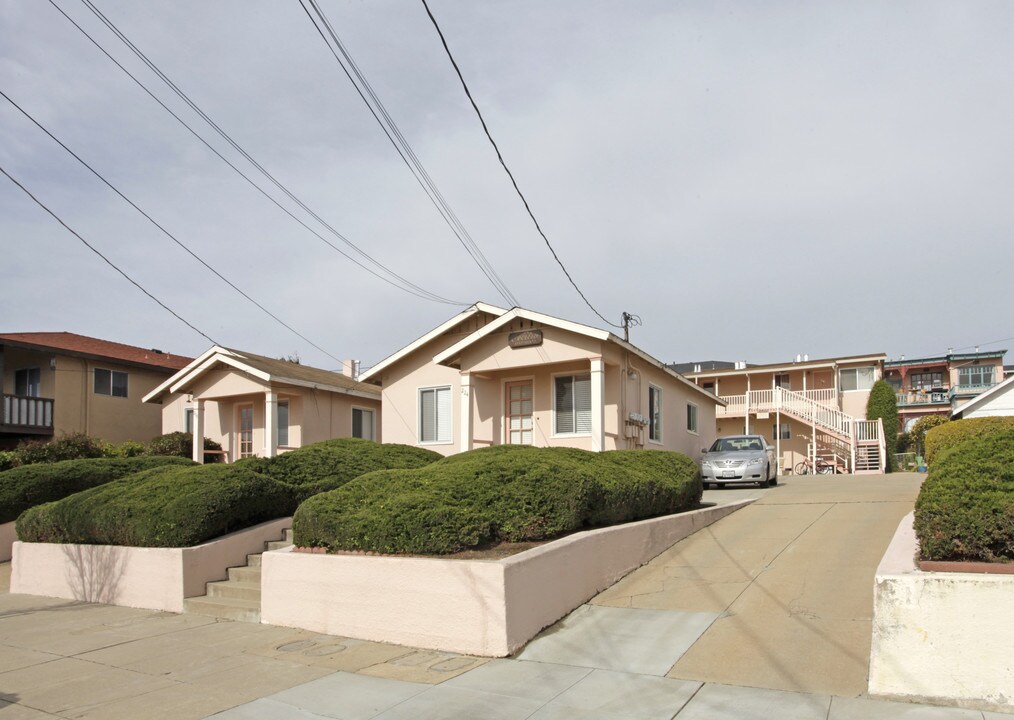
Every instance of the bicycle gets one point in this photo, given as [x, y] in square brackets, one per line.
[805, 467]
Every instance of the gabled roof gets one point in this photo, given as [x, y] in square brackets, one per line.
[269, 370]
[83, 346]
[371, 374]
[453, 351]
[998, 389]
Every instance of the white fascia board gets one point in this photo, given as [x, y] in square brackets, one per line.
[226, 357]
[328, 388]
[665, 368]
[175, 379]
[505, 319]
[431, 335]
[983, 397]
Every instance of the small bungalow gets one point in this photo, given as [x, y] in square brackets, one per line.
[256, 405]
[995, 402]
[490, 376]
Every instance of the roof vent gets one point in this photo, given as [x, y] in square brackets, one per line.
[799, 358]
[157, 351]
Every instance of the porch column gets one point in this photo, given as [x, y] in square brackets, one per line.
[466, 440]
[598, 405]
[198, 431]
[270, 423]
[746, 430]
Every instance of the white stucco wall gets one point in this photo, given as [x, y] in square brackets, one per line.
[8, 534]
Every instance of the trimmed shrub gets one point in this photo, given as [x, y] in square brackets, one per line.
[940, 439]
[180, 444]
[163, 507]
[883, 404]
[72, 446]
[128, 448]
[965, 509]
[8, 459]
[497, 494]
[30, 485]
[922, 426]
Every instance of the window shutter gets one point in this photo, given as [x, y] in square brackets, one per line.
[582, 404]
[444, 414]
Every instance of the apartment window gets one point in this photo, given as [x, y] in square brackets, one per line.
[926, 381]
[710, 387]
[976, 375]
[28, 382]
[435, 415]
[283, 422]
[188, 420]
[782, 381]
[572, 402]
[856, 378]
[654, 413]
[110, 382]
[362, 423]
[786, 432]
[692, 418]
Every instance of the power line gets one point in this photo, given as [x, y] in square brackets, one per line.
[402, 283]
[166, 232]
[104, 258]
[404, 149]
[514, 182]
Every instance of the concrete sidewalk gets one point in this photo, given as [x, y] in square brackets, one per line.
[730, 623]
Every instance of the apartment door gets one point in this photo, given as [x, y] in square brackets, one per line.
[246, 424]
[519, 412]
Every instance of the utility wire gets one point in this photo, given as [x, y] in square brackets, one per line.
[401, 145]
[104, 258]
[514, 182]
[166, 232]
[417, 291]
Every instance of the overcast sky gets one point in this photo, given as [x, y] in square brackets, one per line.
[755, 180]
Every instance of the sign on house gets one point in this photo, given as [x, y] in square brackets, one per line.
[525, 338]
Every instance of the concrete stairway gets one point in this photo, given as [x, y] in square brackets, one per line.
[239, 597]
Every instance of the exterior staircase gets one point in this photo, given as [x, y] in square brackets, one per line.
[238, 597]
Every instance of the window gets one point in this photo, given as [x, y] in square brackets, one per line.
[110, 382]
[283, 422]
[188, 420]
[435, 415]
[926, 381]
[654, 413]
[710, 387]
[692, 418]
[572, 402]
[784, 427]
[246, 421]
[362, 423]
[782, 381]
[856, 378]
[976, 375]
[28, 382]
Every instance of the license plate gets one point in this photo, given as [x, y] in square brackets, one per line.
[728, 474]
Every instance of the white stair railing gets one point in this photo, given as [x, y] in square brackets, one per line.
[825, 417]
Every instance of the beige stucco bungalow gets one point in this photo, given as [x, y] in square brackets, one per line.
[256, 405]
[490, 376]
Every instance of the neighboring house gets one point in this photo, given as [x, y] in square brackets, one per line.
[490, 376]
[997, 400]
[52, 383]
[939, 385]
[256, 405]
[807, 408]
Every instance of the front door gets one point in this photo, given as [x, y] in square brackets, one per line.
[519, 413]
[246, 422]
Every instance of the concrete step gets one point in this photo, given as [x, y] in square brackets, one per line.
[225, 607]
[239, 590]
[245, 574]
[287, 535]
[277, 544]
[253, 560]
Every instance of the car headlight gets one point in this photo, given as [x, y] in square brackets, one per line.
[705, 463]
[756, 461]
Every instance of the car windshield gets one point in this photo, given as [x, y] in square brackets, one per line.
[736, 444]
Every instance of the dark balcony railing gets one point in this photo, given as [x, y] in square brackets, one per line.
[27, 412]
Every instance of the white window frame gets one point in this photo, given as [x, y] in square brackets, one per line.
[552, 395]
[418, 416]
[841, 383]
[95, 377]
[28, 381]
[373, 420]
[657, 440]
[189, 413]
[696, 430]
[788, 381]
[786, 431]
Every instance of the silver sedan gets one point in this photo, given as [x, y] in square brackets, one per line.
[739, 459]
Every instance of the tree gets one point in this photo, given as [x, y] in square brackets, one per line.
[883, 404]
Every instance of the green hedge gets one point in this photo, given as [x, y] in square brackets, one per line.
[502, 493]
[965, 510]
[940, 439]
[163, 507]
[180, 444]
[29, 485]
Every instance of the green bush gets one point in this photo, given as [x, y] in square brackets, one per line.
[163, 507]
[965, 509]
[8, 459]
[940, 439]
[922, 426]
[72, 446]
[330, 464]
[30, 485]
[128, 448]
[883, 404]
[497, 494]
[180, 444]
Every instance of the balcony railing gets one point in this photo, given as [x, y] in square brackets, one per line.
[938, 397]
[764, 401]
[27, 412]
[966, 390]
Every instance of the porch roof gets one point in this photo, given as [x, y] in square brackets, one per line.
[269, 370]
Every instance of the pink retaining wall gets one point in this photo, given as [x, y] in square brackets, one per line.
[477, 607]
[7, 537]
[152, 578]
